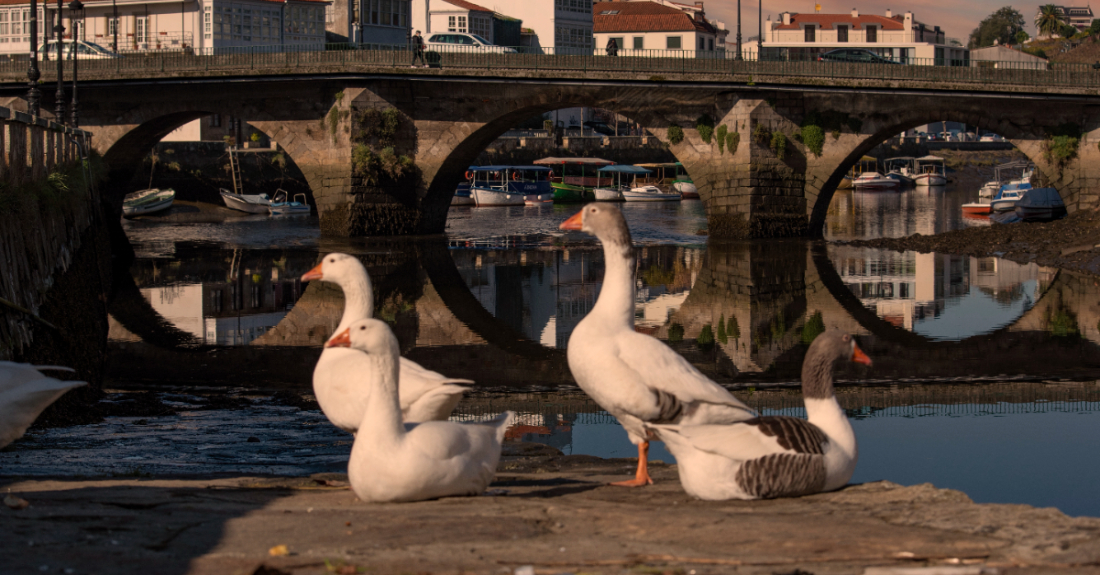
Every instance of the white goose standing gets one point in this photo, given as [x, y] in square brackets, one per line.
[392, 461]
[424, 394]
[24, 394]
[633, 376]
[768, 457]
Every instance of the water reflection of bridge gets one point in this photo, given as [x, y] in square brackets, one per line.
[501, 316]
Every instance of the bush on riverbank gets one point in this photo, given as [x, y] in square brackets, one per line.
[58, 189]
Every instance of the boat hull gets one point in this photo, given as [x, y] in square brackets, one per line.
[538, 199]
[291, 210]
[1040, 214]
[485, 197]
[143, 204]
[1003, 205]
[687, 190]
[252, 204]
[607, 195]
[979, 208]
[929, 180]
[649, 194]
[567, 193]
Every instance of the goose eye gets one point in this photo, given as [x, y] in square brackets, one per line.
[332, 261]
[847, 337]
[362, 327]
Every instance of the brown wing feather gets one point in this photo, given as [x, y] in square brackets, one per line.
[782, 475]
[792, 433]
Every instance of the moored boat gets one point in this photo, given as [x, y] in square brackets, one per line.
[250, 203]
[575, 179]
[488, 187]
[149, 201]
[1005, 200]
[649, 194]
[1040, 204]
[282, 206]
[901, 169]
[619, 191]
[873, 181]
[669, 177]
[977, 208]
[462, 195]
[531, 181]
[930, 172]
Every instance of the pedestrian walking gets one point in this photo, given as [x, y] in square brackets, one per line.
[418, 49]
[612, 47]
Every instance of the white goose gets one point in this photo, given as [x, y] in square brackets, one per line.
[633, 376]
[768, 457]
[24, 394]
[425, 395]
[392, 461]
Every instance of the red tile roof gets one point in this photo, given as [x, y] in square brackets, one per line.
[468, 5]
[829, 21]
[643, 17]
[91, 3]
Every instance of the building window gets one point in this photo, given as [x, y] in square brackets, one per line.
[841, 33]
[216, 121]
[141, 29]
[112, 28]
[567, 37]
[206, 20]
[710, 44]
[702, 44]
[872, 34]
[620, 43]
[456, 23]
[672, 43]
[811, 34]
[639, 42]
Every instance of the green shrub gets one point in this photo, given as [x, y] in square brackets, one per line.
[706, 337]
[675, 333]
[813, 327]
[1063, 324]
[705, 126]
[721, 134]
[675, 134]
[723, 338]
[733, 329]
[1061, 144]
[814, 139]
[761, 135]
[779, 145]
[733, 140]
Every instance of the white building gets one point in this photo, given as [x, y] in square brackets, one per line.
[901, 38]
[376, 23]
[642, 25]
[172, 24]
[433, 16]
[560, 26]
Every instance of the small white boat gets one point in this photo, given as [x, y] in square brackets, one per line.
[495, 197]
[606, 194]
[462, 195]
[989, 189]
[148, 201]
[251, 203]
[1040, 204]
[1008, 196]
[977, 208]
[873, 181]
[281, 207]
[489, 187]
[649, 194]
[930, 172]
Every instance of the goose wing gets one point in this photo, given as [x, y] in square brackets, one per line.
[753, 438]
[666, 372]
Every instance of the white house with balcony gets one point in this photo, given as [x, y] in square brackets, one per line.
[898, 37]
[171, 25]
[434, 16]
[639, 25]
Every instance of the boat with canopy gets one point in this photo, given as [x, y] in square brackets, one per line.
[575, 179]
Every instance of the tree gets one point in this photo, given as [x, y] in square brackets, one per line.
[1049, 20]
[1068, 31]
[1022, 37]
[1001, 26]
[1094, 28]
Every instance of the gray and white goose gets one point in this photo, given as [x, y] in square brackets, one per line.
[636, 377]
[768, 457]
[425, 395]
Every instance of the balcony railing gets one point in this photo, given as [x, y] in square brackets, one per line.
[652, 64]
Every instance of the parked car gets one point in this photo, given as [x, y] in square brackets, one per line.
[461, 42]
[85, 51]
[600, 128]
[854, 55]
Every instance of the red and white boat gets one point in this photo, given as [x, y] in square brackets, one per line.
[977, 208]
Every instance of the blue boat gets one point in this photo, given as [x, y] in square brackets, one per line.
[510, 185]
[1008, 195]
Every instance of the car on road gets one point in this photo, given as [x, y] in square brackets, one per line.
[462, 42]
[84, 50]
[854, 56]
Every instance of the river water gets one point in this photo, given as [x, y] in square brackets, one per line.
[984, 378]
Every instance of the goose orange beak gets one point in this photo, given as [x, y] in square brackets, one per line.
[314, 274]
[859, 357]
[573, 223]
[343, 339]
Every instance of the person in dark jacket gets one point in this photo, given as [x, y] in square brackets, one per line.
[612, 47]
[418, 49]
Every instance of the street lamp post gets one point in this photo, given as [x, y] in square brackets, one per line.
[33, 94]
[76, 15]
[738, 29]
[114, 25]
[759, 33]
[59, 35]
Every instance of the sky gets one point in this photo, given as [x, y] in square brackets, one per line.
[956, 17]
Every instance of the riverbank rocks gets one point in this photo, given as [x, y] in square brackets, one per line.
[551, 512]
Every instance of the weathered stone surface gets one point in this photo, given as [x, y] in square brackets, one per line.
[547, 510]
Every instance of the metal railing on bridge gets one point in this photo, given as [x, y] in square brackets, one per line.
[317, 58]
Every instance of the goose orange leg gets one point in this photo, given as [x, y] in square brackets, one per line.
[641, 478]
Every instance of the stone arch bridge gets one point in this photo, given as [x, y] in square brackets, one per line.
[448, 117]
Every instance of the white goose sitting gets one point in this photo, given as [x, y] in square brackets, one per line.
[392, 461]
[425, 395]
[768, 457]
[24, 394]
[635, 377]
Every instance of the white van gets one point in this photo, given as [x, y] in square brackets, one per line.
[462, 42]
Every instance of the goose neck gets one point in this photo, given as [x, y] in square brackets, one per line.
[616, 299]
[358, 300]
[382, 416]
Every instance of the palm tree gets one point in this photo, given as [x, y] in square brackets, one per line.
[1049, 20]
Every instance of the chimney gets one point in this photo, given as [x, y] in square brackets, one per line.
[855, 13]
[889, 13]
[786, 18]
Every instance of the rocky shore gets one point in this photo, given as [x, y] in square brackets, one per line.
[1071, 243]
[546, 513]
